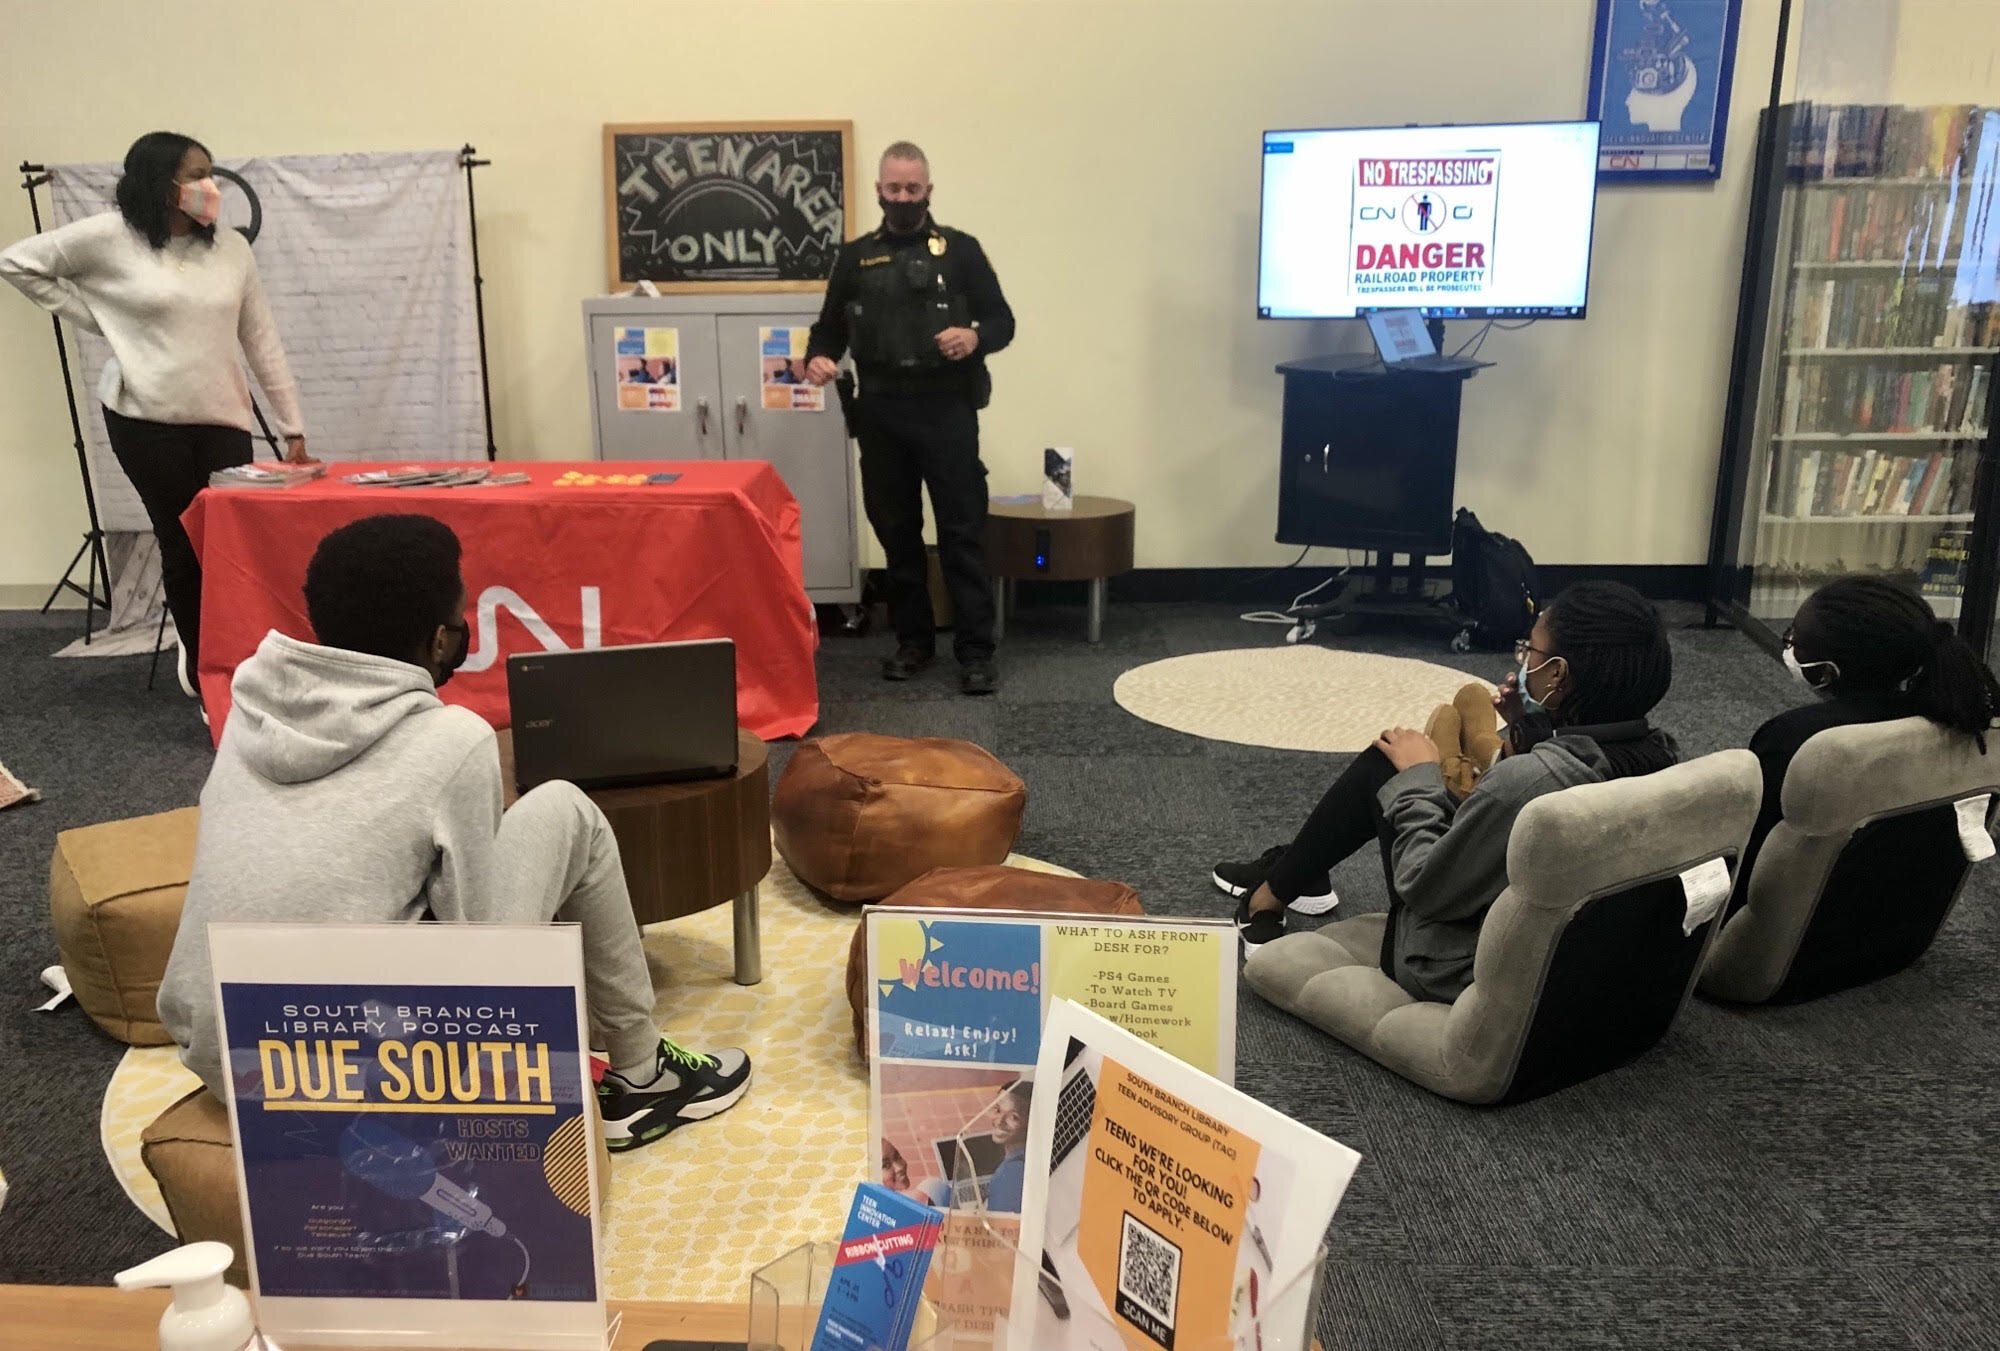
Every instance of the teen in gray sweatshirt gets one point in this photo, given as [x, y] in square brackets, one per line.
[1592, 669]
[345, 791]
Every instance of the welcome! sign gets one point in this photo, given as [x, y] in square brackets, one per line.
[1423, 227]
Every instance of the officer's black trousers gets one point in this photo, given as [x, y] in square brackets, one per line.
[909, 443]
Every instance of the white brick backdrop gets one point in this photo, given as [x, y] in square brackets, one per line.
[367, 261]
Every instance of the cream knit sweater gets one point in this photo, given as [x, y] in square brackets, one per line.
[175, 318]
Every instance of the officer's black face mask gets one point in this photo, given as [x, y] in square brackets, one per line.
[904, 217]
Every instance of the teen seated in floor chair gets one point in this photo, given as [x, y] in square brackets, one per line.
[1869, 861]
[344, 790]
[1595, 664]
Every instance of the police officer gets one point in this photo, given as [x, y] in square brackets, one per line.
[918, 305]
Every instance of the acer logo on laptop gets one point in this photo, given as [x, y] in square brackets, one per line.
[539, 724]
[485, 624]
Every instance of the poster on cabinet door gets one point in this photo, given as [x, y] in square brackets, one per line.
[781, 358]
[649, 369]
[411, 1106]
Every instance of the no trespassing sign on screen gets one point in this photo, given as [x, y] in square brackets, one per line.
[1424, 226]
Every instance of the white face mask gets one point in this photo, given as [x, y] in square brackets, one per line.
[1799, 669]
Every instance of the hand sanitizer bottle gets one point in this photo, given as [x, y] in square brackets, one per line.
[207, 1314]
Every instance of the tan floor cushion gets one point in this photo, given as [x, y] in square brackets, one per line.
[995, 888]
[858, 815]
[115, 896]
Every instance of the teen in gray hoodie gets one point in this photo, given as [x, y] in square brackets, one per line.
[1594, 666]
[344, 790]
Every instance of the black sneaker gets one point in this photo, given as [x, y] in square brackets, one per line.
[688, 1087]
[1241, 878]
[1259, 927]
[978, 677]
[909, 660]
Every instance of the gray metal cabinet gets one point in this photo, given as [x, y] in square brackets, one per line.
[721, 416]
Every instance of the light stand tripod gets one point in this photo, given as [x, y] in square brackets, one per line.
[33, 176]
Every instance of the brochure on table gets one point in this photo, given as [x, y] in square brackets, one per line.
[956, 1003]
[1171, 1210]
[411, 1109]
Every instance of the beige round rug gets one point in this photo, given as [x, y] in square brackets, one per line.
[1290, 698]
[689, 1217]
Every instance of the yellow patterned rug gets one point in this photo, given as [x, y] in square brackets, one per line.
[1291, 698]
[689, 1217]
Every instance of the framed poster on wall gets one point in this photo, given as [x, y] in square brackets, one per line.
[1659, 83]
[743, 206]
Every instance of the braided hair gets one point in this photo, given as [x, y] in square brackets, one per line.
[1615, 648]
[1885, 642]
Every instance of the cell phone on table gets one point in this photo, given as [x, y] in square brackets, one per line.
[665, 478]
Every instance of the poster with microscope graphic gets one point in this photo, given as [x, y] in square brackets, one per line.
[415, 1144]
[956, 1004]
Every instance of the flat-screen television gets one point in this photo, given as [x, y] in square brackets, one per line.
[1461, 222]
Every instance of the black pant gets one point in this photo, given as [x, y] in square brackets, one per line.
[910, 442]
[168, 464]
[1348, 816]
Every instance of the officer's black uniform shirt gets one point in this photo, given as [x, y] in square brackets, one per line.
[966, 274]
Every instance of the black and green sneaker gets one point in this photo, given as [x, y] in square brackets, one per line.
[686, 1086]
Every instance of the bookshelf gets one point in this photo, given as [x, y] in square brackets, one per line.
[1862, 384]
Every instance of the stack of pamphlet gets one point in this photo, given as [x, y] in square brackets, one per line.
[878, 1274]
[416, 476]
[265, 475]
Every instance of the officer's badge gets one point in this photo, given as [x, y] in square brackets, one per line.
[937, 246]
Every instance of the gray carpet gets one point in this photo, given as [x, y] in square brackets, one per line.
[1803, 1177]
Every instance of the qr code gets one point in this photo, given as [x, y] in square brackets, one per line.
[1149, 1280]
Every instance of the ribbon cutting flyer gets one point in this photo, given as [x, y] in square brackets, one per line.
[1164, 1211]
[410, 1140]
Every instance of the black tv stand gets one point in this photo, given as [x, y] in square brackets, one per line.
[1369, 460]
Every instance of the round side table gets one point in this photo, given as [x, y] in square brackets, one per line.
[1091, 543]
[690, 846]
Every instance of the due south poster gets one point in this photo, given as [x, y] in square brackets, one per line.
[1659, 85]
[414, 1152]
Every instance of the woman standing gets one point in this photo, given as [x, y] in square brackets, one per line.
[182, 309]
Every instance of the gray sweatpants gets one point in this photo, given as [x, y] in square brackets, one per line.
[556, 859]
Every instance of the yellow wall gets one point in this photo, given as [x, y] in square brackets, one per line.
[1105, 151]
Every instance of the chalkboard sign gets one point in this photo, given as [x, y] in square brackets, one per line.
[746, 206]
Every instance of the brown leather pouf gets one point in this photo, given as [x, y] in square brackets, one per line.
[858, 815]
[997, 888]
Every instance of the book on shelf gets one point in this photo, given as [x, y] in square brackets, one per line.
[1944, 564]
[1859, 140]
[1835, 484]
[1947, 399]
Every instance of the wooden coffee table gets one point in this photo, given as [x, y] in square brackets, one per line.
[1091, 543]
[690, 846]
[98, 1318]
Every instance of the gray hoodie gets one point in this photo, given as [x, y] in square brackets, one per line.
[1448, 859]
[343, 790]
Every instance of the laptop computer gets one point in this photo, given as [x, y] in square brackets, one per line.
[614, 716]
[1403, 342]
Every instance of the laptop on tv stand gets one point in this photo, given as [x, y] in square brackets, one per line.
[1403, 342]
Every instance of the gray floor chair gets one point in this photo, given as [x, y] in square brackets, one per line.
[1855, 881]
[1583, 962]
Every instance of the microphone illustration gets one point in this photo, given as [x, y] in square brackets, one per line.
[392, 1162]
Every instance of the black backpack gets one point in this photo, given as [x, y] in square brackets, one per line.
[1493, 586]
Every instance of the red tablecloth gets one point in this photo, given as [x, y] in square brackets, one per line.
[715, 555]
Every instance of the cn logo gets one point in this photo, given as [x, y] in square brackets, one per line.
[486, 634]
